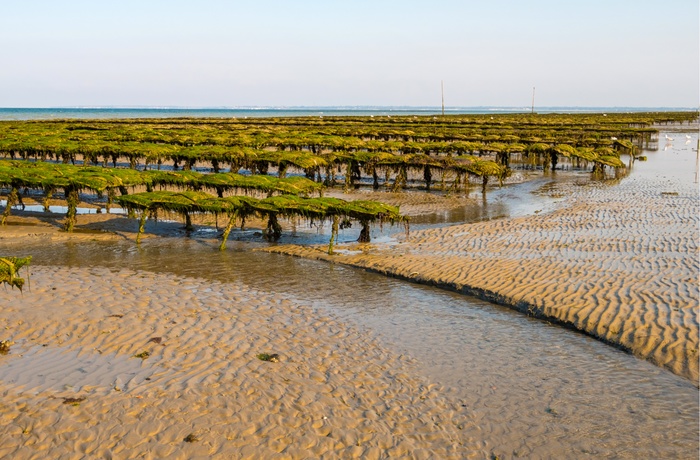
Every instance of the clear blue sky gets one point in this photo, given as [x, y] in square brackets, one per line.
[637, 53]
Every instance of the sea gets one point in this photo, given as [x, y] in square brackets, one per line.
[83, 113]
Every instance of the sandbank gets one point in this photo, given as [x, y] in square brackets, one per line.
[618, 262]
[135, 364]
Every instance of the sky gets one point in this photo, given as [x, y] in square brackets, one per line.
[267, 53]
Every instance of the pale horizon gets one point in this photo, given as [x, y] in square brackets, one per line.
[495, 109]
[630, 54]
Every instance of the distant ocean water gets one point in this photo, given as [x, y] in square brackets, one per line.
[251, 112]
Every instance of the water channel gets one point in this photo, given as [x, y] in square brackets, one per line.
[532, 389]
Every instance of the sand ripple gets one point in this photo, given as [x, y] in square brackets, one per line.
[333, 393]
[620, 263]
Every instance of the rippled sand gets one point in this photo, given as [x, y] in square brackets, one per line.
[620, 263]
[412, 203]
[334, 392]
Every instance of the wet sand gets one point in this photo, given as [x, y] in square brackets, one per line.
[617, 262]
[333, 391]
[413, 203]
[528, 389]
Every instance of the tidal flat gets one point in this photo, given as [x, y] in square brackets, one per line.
[370, 365]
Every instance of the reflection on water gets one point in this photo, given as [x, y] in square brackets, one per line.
[533, 390]
[676, 160]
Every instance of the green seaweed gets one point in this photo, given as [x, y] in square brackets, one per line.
[273, 358]
[188, 203]
[9, 269]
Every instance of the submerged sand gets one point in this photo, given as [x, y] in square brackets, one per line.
[202, 391]
[618, 262]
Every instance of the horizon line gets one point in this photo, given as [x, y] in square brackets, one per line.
[336, 107]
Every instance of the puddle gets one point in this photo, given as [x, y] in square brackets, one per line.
[64, 209]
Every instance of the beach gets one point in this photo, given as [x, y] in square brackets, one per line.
[618, 262]
[124, 351]
[350, 231]
[331, 392]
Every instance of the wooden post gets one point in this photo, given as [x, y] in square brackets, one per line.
[364, 233]
[73, 198]
[12, 199]
[442, 91]
[142, 225]
[227, 230]
[334, 234]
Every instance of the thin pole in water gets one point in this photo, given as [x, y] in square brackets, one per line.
[442, 90]
[533, 99]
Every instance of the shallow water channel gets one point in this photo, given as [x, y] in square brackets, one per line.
[532, 390]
